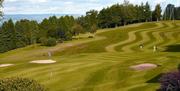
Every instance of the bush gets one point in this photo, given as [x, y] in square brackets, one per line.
[48, 42]
[60, 41]
[170, 82]
[90, 36]
[43, 40]
[20, 84]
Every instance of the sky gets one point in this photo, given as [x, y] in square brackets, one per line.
[68, 6]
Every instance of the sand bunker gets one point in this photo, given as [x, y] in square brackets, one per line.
[144, 66]
[43, 61]
[5, 65]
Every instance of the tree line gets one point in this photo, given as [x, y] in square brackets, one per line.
[58, 29]
[49, 32]
[171, 12]
[126, 13]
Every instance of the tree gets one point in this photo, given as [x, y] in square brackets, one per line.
[169, 13]
[9, 35]
[157, 12]
[128, 13]
[1, 34]
[177, 13]
[115, 15]
[93, 28]
[64, 30]
[147, 12]
[142, 12]
[52, 27]
[77, 29]
[126, 2]
[1, 12]
[29, 31]
[91, 19]
[48, 41]
[26, 32]
[125, 12]
[104, 18]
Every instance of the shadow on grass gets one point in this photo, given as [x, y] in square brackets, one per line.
[173, 48]
[155, 79]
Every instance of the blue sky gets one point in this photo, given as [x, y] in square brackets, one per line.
[67, 6]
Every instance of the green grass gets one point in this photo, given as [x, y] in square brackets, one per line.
[87, 64]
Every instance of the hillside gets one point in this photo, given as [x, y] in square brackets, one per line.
[101, 63]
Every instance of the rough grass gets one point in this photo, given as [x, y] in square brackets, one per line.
[85, 64]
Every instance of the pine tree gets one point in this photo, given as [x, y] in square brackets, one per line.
[2, 49]
[9, 35]
[1, 12]
[77, 29]
[158, 12]
[169, 13]
[91, 19]
[147, 12]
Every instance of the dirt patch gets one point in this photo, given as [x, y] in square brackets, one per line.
[145, 66]
[43, 61]
[5, 65]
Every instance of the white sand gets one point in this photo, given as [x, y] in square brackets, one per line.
[43, 61]
[5, 65]
[144, 66]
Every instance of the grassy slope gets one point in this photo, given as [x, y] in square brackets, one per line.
[84, 65]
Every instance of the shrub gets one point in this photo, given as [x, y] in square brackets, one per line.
[48, 41]
[20, 84]
[170, 82]
[68, 36]
[43, 40]
[51, 42]
[90, 36]
[60, 41]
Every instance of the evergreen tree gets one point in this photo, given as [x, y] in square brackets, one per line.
[157, 12]
[169, 13]
[1, 12]
[91, 19]
[104, 18]
[142, 13]
[177, 13]
[116, 11]
[28, 30]
[44, 28]
[64, 30]
[147, 12]
[1, 34]
[9, 35]
[77, 29]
